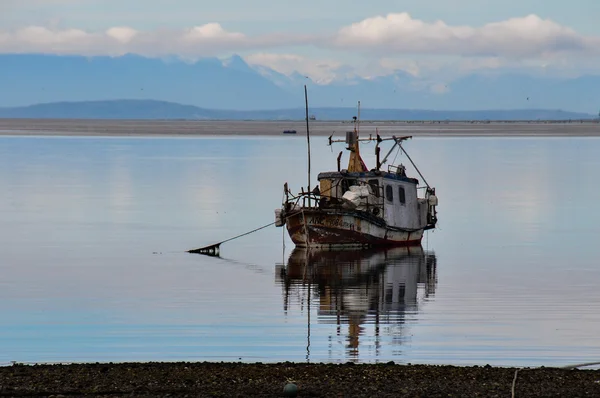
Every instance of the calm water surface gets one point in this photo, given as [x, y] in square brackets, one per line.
[93, 266]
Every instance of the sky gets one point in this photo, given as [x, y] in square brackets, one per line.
[324, 39]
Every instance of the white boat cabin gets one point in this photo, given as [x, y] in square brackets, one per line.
[389, 196]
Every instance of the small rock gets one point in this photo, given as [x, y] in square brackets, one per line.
[290, 390]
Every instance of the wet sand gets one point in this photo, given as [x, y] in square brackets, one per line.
[74, 127]
[314, 380]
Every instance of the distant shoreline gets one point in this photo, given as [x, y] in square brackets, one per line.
[187, 128]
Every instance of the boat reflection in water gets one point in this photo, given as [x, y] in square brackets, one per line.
[356, 288]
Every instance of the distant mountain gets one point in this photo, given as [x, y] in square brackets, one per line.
[118, 109]
[148, 109]
[233, 84]
[30, 79]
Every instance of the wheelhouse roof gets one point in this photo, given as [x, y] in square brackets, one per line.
[366, 175]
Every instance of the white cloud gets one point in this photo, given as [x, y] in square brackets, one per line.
[38, 38]
[390, 35]
[122, 34]
[374, 46]
[525, 37]
[205, 40]
[212, 31]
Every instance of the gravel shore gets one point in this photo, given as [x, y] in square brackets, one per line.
[183, 128]
[312, 380]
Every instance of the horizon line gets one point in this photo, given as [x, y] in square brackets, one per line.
[131, 100]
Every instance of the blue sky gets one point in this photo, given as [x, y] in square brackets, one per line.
[265, 15]
[318, 37]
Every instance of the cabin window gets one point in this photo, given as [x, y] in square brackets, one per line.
[401, 195]
[401, 292]
[374, 187]
[389, 193]
[389, 295]
[346, 184]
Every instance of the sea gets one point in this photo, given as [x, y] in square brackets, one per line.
[94, 233]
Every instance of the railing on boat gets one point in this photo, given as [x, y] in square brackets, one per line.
[315, 199]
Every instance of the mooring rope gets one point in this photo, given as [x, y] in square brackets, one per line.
[214, 247]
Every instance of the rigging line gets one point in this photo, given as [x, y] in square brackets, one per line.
[414, 165]
[397, 152]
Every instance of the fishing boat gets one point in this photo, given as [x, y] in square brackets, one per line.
[358, 206]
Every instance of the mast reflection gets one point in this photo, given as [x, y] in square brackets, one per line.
[359, 288]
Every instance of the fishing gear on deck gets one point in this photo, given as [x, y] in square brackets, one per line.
[213, 250]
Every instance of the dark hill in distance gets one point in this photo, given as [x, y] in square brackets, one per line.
[162, 110]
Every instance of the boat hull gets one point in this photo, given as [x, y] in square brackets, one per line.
[324, 229]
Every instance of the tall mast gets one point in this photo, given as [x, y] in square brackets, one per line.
[307, 139]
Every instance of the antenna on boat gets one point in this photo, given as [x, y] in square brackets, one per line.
[307, 139]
